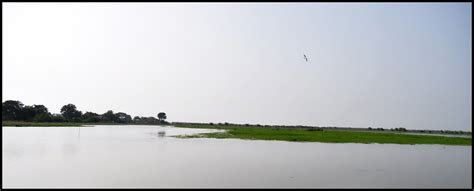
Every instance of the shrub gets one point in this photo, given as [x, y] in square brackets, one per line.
[42, 117]
[57, 118]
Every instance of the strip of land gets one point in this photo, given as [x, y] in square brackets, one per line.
[39, 124]
[290, 133]
[61, 124]
[321, 135]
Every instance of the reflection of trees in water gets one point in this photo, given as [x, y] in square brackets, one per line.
[12, 152]
[159, 134]
[70, 148]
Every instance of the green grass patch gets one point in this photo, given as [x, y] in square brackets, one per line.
[326, 136]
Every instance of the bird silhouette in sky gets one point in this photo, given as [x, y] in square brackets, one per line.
[306, 58]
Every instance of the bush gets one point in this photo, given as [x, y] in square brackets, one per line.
[400, 129]
[42, 117]
[57, 118]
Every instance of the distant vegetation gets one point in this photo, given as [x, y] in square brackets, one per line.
[327, 135]
[227, 125]
[16, 113]
[39, 124]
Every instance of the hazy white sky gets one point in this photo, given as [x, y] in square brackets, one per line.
[379, 65]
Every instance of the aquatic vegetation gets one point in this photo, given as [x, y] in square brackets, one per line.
[327, 136]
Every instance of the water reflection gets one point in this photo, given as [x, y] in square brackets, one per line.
[148, 157]
[158, 133]
[70, 149]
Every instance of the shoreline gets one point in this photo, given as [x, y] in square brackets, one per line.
[231, 125]
[63, 124]
[359, 129]
[334, 137]
[290, 133]
[323, 135]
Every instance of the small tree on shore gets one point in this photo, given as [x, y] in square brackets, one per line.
[162, 116]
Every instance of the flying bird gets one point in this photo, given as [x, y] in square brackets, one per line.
[306, 58]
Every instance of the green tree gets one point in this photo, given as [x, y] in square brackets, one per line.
[43, 117]
[39, 109]
[90, 117]
[162, 116]
[27, 113]
[152, 120]
[70, 113]
[11, 110]
[146, 120]
[121, 117]
[57, 118]
[108, 117]
[136, 119]
[39, 113]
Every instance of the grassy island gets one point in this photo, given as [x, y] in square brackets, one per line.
[322, 135]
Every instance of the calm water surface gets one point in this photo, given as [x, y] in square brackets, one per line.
[139, 157]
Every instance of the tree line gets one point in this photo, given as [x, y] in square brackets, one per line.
[13, 110]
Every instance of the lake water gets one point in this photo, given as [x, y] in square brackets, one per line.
[139, 157]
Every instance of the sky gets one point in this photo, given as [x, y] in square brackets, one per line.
[370, 64]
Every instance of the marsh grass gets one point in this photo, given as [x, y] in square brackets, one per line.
[327, 136]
